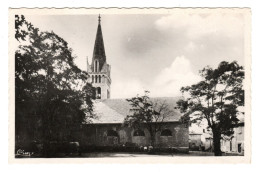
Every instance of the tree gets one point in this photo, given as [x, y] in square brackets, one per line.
[216, 99]
[52, 96]
[147, 114]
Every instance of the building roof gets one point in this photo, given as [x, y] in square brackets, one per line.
[115, 110]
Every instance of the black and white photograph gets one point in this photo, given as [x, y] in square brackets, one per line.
[130, 83]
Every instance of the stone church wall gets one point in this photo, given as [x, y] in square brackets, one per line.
[118, 135]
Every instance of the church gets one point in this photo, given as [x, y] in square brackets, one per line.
[107, 129]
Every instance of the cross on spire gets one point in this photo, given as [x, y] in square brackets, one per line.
[99, 19]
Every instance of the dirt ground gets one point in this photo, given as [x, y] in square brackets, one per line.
[125, 154]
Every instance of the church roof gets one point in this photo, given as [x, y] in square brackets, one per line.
[115, 110]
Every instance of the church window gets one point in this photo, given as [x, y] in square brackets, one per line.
[96, 65]
[103, 79]
[139, 133]
[93, 79]
[98, 93]
[96, 78]
[99, 79]
[112, 133]
[166, 132]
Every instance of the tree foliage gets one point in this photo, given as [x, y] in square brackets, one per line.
[216, 98]
[148, 114]
[52, 96]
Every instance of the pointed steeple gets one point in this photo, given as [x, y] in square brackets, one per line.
[99, 70]
[99, 49]
[99, 19]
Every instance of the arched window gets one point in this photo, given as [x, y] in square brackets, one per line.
[93, 80]
[231, 143]
[98, 93]
[139, 133]
[96, 78]
[112, 133]
[166, 132]
[103, 79]
[96, 66]
[99, 79]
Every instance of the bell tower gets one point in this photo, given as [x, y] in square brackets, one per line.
[99, 70]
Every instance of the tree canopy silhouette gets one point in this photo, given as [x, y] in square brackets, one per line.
[216, 99]
[52, 96]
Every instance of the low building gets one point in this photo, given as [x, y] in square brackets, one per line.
[108, 129]
[195, 142]
[208, 142]
[234, 143]
[229, 144]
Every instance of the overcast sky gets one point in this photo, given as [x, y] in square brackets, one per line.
[159, 53]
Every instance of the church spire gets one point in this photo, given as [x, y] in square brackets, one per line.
[99, 19]
[99, 70]
[99, 49]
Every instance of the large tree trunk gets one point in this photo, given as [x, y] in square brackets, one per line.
[152, 140]
[152, 133]
[46, 120]
[216, 143]
[46, 139]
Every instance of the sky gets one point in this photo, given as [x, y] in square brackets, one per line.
[159, 53]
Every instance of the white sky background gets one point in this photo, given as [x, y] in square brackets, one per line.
[159, 53]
